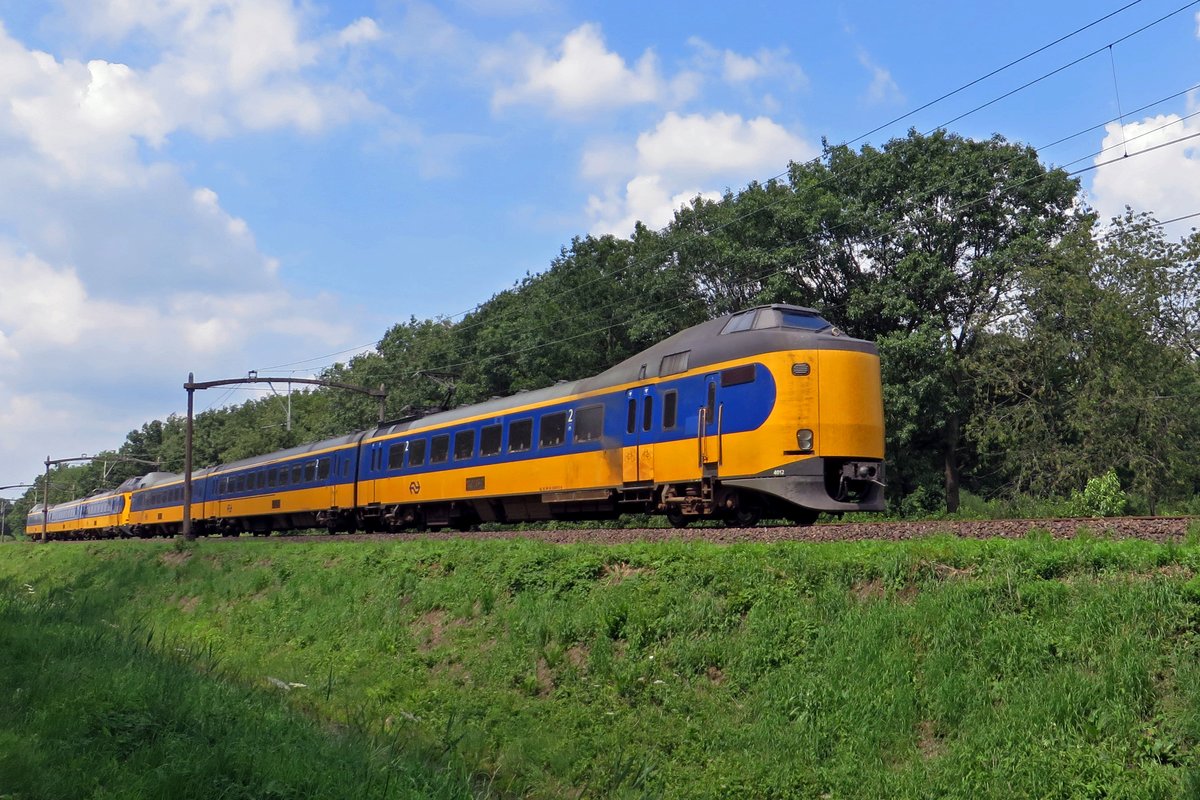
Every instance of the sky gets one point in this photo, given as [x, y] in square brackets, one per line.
[215, 186]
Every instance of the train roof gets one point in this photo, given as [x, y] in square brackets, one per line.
[298, 450]
[762, 329]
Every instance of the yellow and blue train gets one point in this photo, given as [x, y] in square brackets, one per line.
[769, 412]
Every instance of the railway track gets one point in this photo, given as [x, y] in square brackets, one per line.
[1162, 529]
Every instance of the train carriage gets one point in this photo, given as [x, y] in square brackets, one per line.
[309, 486]
[769, 411]
[100, 515]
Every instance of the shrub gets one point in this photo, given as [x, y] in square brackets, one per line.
[1102, 497]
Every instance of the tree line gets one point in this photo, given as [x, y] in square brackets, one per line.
[1025, 346]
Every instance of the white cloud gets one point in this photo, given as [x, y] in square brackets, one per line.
[363, 29]
[104, 365]
[116, 274]
[584, 75]
[737, 68]
[226, 64]
[686, 156]
[645, 199]
[883, 88]
[1165, 182]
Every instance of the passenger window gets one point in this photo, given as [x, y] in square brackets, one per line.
[670, 409]
[283, 476]
[631, 416]
[323, 468]
[262, 480]
[297, 474]
[520, 436]
[439, 451]
[396, 455]
[589, 423]
[464, 445]
[310, 472]
[674, 363]
[489, 440]
[416, 452]
[740, 322]
[223, 486]
[648, 413]
[271, 479]
[737, 375]
[553, 429]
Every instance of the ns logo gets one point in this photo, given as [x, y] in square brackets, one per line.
[414, 487]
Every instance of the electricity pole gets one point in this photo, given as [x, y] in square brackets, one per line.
[4, 501]
[192, 386]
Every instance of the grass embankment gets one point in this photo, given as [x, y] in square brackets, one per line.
[931, 668]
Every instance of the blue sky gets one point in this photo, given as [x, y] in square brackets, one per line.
[224, 185]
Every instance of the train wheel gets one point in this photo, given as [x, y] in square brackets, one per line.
[742, 518]
[802, 516]
[677, 518]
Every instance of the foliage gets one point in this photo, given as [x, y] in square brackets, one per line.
[1102, 497]
[935, 667]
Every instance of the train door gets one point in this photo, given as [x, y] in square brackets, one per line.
[709, 428]
[637, 462]
[370, 457]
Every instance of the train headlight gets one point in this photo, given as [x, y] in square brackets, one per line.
[804, 439]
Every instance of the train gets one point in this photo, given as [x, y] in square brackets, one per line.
[770, 412]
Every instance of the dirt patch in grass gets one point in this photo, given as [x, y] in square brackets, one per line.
[454, 671]
[577, 656]
[431, 629]
[929, 742]
[545, 678]
[715, 675]
[868, 590]
[948, 572]
[618, 572]
[175, 558]
[188, 604]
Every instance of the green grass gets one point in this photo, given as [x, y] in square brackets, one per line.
[932, 668]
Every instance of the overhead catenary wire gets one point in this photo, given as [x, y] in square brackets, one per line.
[1041, 148]
[758, 279]
[879, 236]
[1028, 84]
[940, 126]
[950, 94]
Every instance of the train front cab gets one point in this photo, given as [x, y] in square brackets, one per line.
[34, 522]
[822, 448]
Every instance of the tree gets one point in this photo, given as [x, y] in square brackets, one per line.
[1091, 369]
[940, 230]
